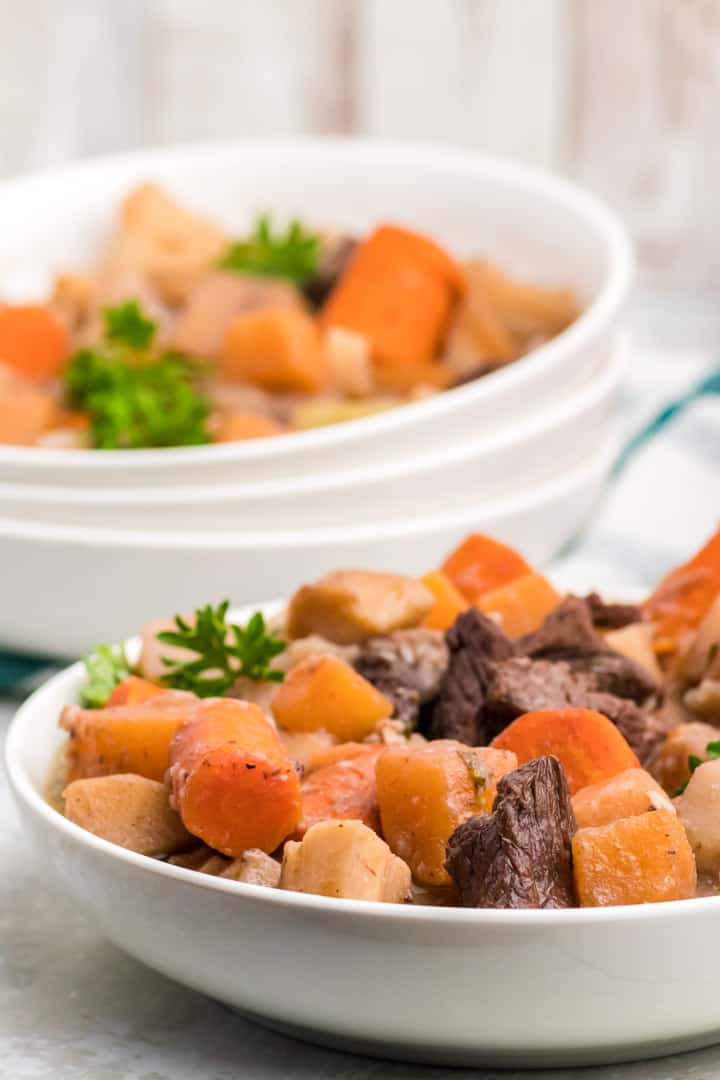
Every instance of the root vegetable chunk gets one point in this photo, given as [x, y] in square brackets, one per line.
[345, 859]
[342, 789]
[231, 779]
[519, 856]
[670, 766]
[636, 860]
[350, 606]
[699, 810]
[425, 792]
[625, 795]
[325, 693]
[128, 810]
[521, 604]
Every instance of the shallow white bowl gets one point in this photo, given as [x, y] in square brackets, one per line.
[452, 478]
[529, 221]
[97, 584]
[509, 988]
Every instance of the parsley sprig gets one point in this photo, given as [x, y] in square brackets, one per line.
[106, 666]
[713, 752]
[225, 651]
[293, 254]
[133, 397]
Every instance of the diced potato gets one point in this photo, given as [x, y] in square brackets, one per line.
[128, 810]
[125, 738]
[426, 791]
[324, 693]
[255, 868]
[636, 642]
[306, 747]
[625, 795]
[636, 860]
[699, 810]
[350, 362]
[345, 859]
[670, 765]
[449, 601]
[349, 606]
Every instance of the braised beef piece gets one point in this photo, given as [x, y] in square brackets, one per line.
[611, 616]
[476, 645]
[616, 674]
[335, 255]
[407, 666]
[521, 685]
[520, 856]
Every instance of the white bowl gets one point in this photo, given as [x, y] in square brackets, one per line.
[490, 465]
[102, 583]
[452, 986]
[528, 221]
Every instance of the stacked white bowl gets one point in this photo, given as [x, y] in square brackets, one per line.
[116, 537]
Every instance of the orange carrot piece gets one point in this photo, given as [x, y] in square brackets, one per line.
[683, 598]
[231, 779]
[133, 691]
[236, 426]
[590, 748]
[449, 603]
[278, 349]
[398, 292]
[624, 795]
[26, 413]
[522, 603]
[344, 789]
[33, 341]
[324, 692]
[481, 564]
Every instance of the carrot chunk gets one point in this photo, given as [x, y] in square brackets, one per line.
[278, 349]
[449, 602]
[324, 692]
[344, 789]
[33, 341]
[626, 794]
[236, 426]
[231, 779]
[589, 746]
[636, 860]
[522, 603]
[26, 412]
[683, 598]
[481, 564]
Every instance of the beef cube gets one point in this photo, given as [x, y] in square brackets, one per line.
[520, 856]
[336, 252]
[407, 666]
[611, 616]
[616, 674]
[476, 645]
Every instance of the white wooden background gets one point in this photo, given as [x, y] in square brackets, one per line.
[622, 94]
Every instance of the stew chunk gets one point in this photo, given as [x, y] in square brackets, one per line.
[347, 860]
[519, 856]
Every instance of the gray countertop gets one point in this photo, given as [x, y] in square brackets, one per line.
[73, 1007]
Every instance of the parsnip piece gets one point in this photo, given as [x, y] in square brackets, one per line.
[345, 859]
[699, 810]
[128, 810]
[349, 606]
[636, 642]
[255, 868]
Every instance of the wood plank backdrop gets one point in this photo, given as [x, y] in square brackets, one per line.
[623, 96]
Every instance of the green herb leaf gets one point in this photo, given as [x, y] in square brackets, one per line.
[225, 651]
[478, 772]
[293, 254]
[126, 325]
[712, 750]
[106, 666]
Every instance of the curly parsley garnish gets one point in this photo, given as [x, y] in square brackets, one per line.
[106, 666]
[133, 397]
[293, 254]
[713, 752]
[225, 651]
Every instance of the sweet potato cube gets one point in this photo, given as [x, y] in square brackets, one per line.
[481, 564]
[449, 601]
[325, 693]
[345, 859]
[278, 349]
[625, 795]
[522, 603]
[125, 738]
[637, 860]
[343, 789]
[425, 792]
[670, 766]
[349, 606]
[128, 810]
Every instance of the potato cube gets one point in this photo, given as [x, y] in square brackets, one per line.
[128, 810]
[349, 606]
[344, 859]
[635, 860]
[625, 795]
[426, 791]
[699, 810]
[325, 693]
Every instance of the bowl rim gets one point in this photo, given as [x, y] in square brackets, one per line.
[596, 464]
[602, 384]
[22, 726]
[612, 234]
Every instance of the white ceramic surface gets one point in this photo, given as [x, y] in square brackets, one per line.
[452, 478]
[509, 988]
[530, 222]
[98, 584]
